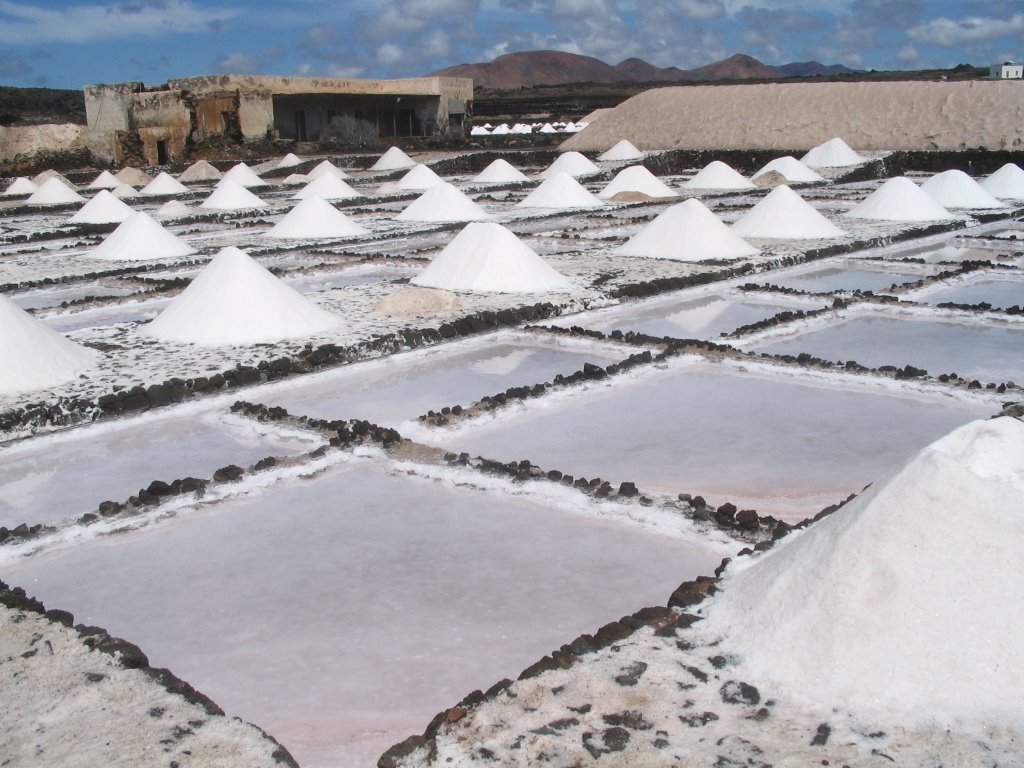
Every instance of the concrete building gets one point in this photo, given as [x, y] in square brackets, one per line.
[1006, 71]
[130, 122]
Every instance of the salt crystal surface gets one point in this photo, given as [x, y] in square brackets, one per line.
[687, 231]
[164, 184]
[443, 202]
[231, 196]
[572, 163]
[500, 171]
[834, 153]
[899, 199]
[419, 177]
[327, 186]
[393, 160]
[103, 208]
[54, 192]
[955, 189]
[105, 180]
[41, 178]
[290, 160]
[1000, 292]
[792, 169]
[201, 170]
[1006, 184]
[20, 186]
[623, 150]
[244, 176]
[125, 192]
[783, 214]
[636, 178]
[174, 209]
[560, 191]
[314, 218]
[718, 175]
[326, 167]
[133, 177]
[140, 238]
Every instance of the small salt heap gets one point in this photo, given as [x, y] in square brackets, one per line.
[899, 199]
[103, 208]
[201, 170]
[1006, 184]
[106, 180]
[244, 176]
[140, 238]
[688, 231]
[41, 178]
[718, 175]
[133, 177]
[572, 163]
[560, 191]
[327, 186]
[174, 209]
[418, 178]
[314, 218]
[443, 202]
[791, 169]
[784, 215]
[231, 196]
[639, 181]
[289, 161]
[326, 167]
[623, 150]
[393, 160]
[125, 192]
[500, 171]
[955, 189]
[164, 184]
[54, 192]
[20, 186]
[834, 153]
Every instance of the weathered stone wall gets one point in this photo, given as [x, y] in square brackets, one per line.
[27, 140]
[106, 112]
[161, 116]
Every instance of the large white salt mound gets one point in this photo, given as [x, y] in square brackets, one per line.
[623, 150]
[392, 160]
[326, 167]
[718, 175]
[327, 186]
[140, 238]
[234, 300]
[636, 178]
[164, 184]
[443, 202]
[899, 199]
[500, 171]
[783, 214]
[418, 178]
[106, 180]
[688, 231]
[955, 189]
[572, 163]
[133, 177]
[20, 186]
[560, 191]
[174, 209]
[314, 218]
[125, 192]
[244, 176]
[54, 192]
[103, 208]
[834, 153]
[201, 170]
[289, 161]
[36, 356]
[489, 258]
[231, 196]
[44, 176]
[791, 169]
[1007, 183]
[904, 606]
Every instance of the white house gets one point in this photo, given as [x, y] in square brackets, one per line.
[1006, 71]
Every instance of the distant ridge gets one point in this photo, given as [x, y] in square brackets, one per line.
[526, 69]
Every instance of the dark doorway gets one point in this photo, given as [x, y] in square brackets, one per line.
[300, 126]
[161, 153]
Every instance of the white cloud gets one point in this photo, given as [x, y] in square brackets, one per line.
[29, 24]
[238, 63]
[701, 10]
[389, 53]
[907, 54]
[971, 29]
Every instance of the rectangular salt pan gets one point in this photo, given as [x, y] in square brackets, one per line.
[997, 291]
[341, 613]
[826, 279]
[776, 444]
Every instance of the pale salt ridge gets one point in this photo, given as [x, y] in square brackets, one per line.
[106, 180]
[244, 176]
[54, 192]
[174, 209]
[784, 215]
[41, 178]
[718, 175]
[489, 258]
[314, 218]
[392, 160]
[419, 177]
[623, 150]
[443, 202]
[201, 170]
[688, 231]
[103, 208]
[326, 167]
[164, 184]
[878, 610]
[791, 169]
[572, 163]
[1006, 184]
[289, 161]
[228, 195]
[500, 171]
[235, 300]
[328, 187]
[133, 177]
[140, 238]
[125, 192]
[834, 153]
[955, 189]
[560, 191]
[35, 356]
[20, 186]
[636, 178]
[899, 199]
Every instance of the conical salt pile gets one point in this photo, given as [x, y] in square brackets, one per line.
[783, 214]
[499, 172]
[314, 218]
[834, 153]
[54, 192]
[133, 177]
[36, 356]
[955, 189]
[103, 208]
[572, 163]
[560, 191]
[443, 202]
[718, 175]
[174, 209]
[106, 180]
[125, 192]
[289, 161]
[164, 184]
[200, 170]
[140, 238]
[392, 160]
[244, 176]
[41, 178]
[878, 610]
[899, 199]
[687, 232]
[636, 179]
[20, 186]
[623, 150]
[418, 178]
[231, 196]
[327, 186]
[791, 169]
[234, 300]
[1007, 183]
[326, 167]
[489, 258]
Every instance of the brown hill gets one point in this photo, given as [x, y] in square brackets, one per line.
[737, 67]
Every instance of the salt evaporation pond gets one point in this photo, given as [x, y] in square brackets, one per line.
[825, 279]
[67, 474]
[52, 297]
[700, 317]
[775, 443]
[342, 612]
[999, 292]
[401, 387]
[988, 352]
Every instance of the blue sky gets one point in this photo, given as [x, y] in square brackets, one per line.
[69, 43]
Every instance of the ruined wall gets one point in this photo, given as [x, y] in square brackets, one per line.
[161, 116]
[255, 114]
[27, 140]
[106, 114]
